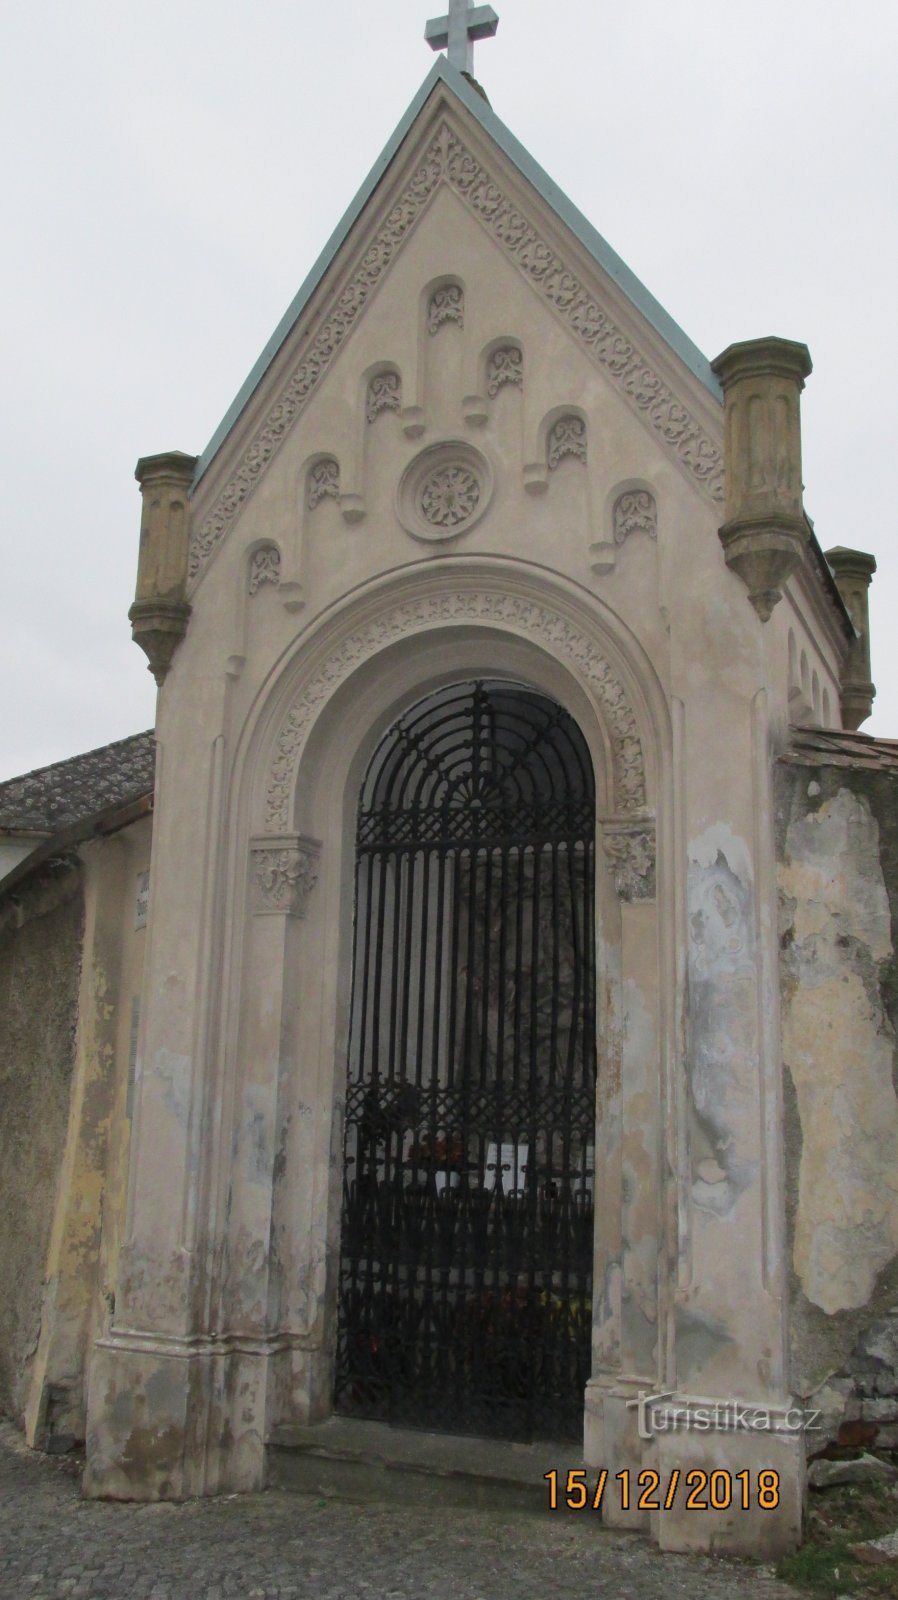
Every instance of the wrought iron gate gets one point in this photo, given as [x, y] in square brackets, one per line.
[466, 1251]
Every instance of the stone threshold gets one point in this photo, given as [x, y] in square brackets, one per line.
[370, 1461]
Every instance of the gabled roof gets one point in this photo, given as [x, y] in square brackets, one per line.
[606, 258]
[69, 793]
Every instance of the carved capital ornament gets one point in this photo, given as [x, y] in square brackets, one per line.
[284, 872]
[630, 857]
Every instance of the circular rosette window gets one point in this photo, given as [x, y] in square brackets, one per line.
[444, 492]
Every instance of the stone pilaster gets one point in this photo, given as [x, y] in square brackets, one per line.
[160, 612]
[765, 532]
[853, 570]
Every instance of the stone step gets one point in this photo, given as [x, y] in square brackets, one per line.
[369, 1461]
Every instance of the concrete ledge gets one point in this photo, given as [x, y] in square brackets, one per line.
[370, 1461]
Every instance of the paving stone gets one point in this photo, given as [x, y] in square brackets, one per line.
[282, 1546]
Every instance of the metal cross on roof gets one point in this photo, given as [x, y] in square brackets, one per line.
[458, 32]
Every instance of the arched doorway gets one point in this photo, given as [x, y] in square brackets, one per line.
[465, 1290]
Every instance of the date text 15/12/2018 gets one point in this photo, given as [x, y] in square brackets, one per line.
[645, 1491]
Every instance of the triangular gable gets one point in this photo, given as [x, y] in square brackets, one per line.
[448, 160]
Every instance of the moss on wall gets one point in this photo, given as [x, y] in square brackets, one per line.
[40, 961]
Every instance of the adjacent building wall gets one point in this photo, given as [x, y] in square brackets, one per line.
[838, 889]
[90, 1198]
[40, 961]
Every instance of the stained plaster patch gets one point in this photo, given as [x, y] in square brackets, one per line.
[838, 1045]
[722, 1052]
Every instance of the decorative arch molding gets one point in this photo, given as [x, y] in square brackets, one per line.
[538, 620]
[448, 160]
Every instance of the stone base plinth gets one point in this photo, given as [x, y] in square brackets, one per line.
[168, 1420]
[700, 1475]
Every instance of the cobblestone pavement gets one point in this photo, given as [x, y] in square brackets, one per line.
[281, 1546]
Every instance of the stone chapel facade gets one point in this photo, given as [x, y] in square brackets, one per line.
[487, 542]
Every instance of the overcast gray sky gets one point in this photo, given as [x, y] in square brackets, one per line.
[171, 169]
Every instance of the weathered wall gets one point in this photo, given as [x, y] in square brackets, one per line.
[40, 958]
[90, 1201]
[838, 888]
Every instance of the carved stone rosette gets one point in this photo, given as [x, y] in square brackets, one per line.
[284, 872]
[444, 491]
[630, 858]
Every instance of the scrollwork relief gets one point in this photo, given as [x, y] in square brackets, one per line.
[264, 567]
[505, 366]
[284, 874]
[635, 511]
[384, 394]
[324, 482]
[566, 438]
[558, 634]
[447, 304]
[630, 858]
[448, 160]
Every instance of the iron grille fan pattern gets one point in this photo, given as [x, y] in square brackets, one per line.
[466, 1249]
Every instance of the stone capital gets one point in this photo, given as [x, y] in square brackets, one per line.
[284, 871]
[629, 848]
[170, 466]
[845, 563]
[763, 358]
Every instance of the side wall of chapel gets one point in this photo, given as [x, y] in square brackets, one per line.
[837, 836]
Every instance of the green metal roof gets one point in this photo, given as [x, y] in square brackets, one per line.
[599, 249]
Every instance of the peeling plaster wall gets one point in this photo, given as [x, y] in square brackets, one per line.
[837, 842]
[40, 960]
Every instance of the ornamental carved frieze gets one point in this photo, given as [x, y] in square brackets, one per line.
[264, 567]
[635, 511]
[284, 871]
[448, 160]
[447, 304]
[505, 367]
[323, 482]
[384, 394]
[561, 637]
[630, 857]
[566, 438]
